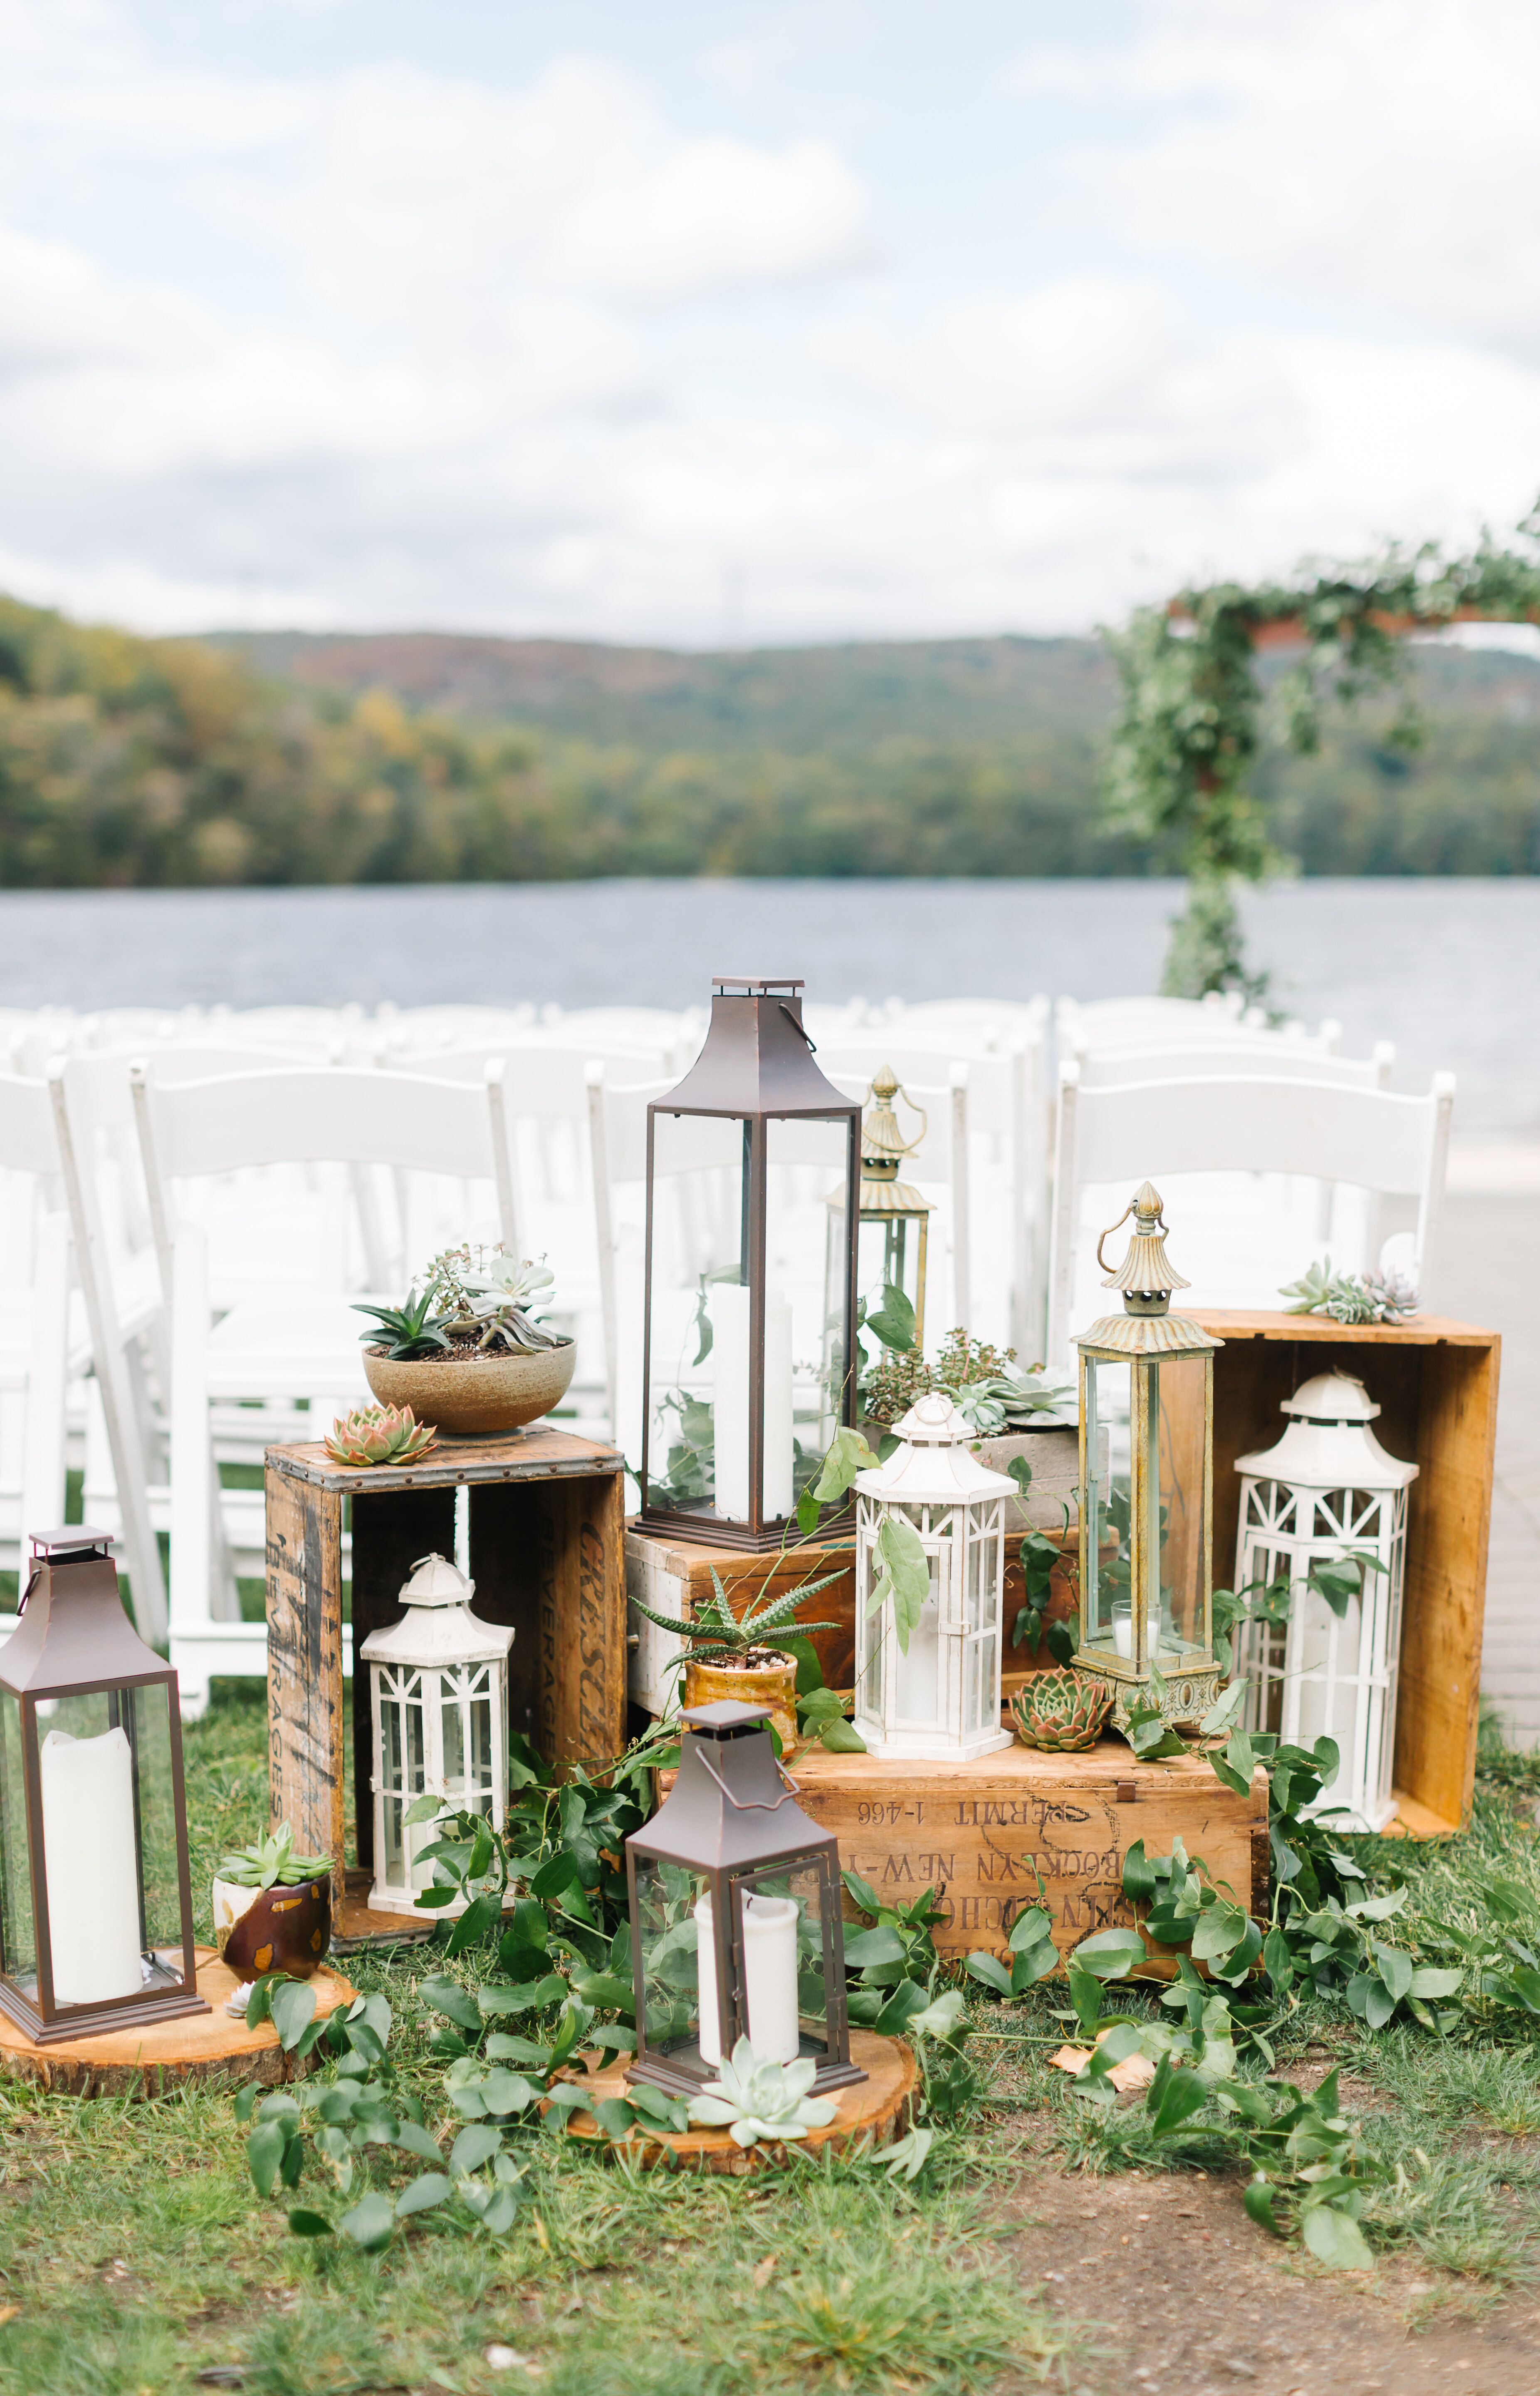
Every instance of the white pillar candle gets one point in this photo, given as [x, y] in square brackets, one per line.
[709, 2040]
[917, 1691]
[91, 1869]
[731, 1393]
[770, 1977]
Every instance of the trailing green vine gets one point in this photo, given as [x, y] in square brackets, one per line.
[1192, 715]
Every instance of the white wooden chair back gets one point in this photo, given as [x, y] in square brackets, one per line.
[1373, 1139]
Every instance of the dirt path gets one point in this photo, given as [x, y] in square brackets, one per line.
[1183, 2295]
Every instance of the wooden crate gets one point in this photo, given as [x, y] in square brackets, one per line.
[1436, 1383]
[547, 1528]
[1021, 1828]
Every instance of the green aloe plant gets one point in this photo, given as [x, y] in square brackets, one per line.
[716, 1633]
[406, 1332]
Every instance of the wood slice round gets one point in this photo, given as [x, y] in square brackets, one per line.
[876, 2109]
[211, 2048]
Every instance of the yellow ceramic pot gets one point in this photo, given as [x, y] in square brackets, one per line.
[499, 1391]
[749, 1685]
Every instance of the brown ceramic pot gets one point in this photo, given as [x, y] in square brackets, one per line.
[277, 1929]
[749, 1685]
[460, 1395]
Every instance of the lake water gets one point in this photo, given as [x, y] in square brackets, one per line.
[1450, 970]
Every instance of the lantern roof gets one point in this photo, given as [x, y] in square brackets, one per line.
[757, 1059]
[731, 1807]
[1331, 1398]
[435, 1582]
[73, 1632]
[1146, 1277]
[934, 1464]
[1327, 1444]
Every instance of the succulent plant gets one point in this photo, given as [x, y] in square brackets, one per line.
[272, 1860]
[716, 1635]
[379, 1435]
[406, 1332]
[1061, 1710]
[752, 2100]
[484, 1291]
[1386, 1296]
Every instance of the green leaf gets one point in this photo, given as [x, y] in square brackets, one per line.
[1259, 2199]
[265, 2153]
[425, 1809]
[550, 1989]
[894, 1321]
[1084, 1995]
[371, 2222]
[293, 2005]
[906, 1574]
[306, 2224]
[1433, 1980]
[808, 1512]
[880, 1946]
[422, 2193]
[898, 2010]
[1138, 1881]
[416, 2140]
[1335, 2239]
[1278, 1960]
[474, 2147]
[940, 2017]
[841, 1738]
[1220, 1930]
[1061, 1642]
[982, 1965]
[559, 1871]
[480, 1916]
[1112, 1954]
[447, 1996]
[862, 1891]
[1173, 2098]
[616, 2117]
[848, 1454]
[507, 2092]
[1225, 1712]
[1395, 1968]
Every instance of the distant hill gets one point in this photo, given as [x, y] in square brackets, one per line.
[272, 758]
[840, 698]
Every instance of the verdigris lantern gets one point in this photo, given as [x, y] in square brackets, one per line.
[1147, 1482]
[438, 1694]
[735, 1916]
[746, 1378]
[95, 1911]
[1324, 1511]
[934, 1693]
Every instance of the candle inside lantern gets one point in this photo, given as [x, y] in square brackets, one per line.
[769, 1976]
[732, 1394]
[92, 1867]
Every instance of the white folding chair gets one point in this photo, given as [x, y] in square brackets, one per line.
[1121, 1135]
[299, 1337]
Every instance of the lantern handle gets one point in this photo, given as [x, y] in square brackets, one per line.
[812, 1043]
[1130, 1209]
[749, 1804]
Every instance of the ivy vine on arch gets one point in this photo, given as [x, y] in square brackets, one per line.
[1194, 712]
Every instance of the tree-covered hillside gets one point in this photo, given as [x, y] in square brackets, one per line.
[406, 758]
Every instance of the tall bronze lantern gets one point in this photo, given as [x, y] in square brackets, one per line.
[894, 1217]
[96, 1908]
[1147, 1486]
[735, 1916]
[746, 1380]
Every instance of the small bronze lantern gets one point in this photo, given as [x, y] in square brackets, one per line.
[735, 1909]
[1147, 1486]
[746, 1381]
[96, 1909]
[895, 1219]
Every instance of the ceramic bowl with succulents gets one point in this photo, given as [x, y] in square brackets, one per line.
[467, 1351]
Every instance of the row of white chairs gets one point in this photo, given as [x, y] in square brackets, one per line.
[208, 1194]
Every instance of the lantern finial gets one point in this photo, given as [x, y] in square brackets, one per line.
[883, 1144]
[1146, 1276]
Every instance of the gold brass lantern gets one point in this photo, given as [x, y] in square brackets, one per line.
[1147, 1487]
[894, 1217]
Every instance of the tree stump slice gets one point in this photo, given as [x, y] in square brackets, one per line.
[209, 2048]
[875, 2110]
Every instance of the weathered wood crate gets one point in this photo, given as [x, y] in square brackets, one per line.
[547, 1530]
[1436, 1383]
[1021, 1828]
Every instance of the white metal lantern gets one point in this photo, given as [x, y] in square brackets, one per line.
[438, 1692]
[940, 1700]
[1328, 1488]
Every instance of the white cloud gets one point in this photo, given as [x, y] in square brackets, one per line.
[1380, 154]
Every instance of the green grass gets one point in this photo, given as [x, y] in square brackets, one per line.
[135, 2253]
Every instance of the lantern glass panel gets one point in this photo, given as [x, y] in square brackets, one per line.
[1106, 1598]
[18, 1936]
[1177, 1499]
[776, 1994]
[699, 1370]
[805, 1359]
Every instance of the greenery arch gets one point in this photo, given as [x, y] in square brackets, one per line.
[1193, 710]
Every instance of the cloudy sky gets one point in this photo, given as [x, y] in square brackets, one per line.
[700, 321]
